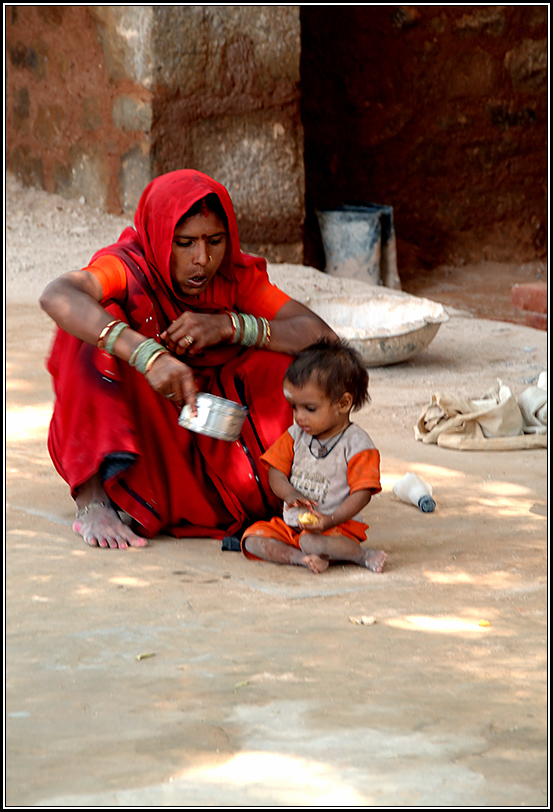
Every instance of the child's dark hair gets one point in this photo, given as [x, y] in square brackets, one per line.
[335, 367]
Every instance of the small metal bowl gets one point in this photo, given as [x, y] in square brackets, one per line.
[218, 418]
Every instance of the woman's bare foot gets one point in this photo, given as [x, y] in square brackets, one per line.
[315, 563]
[101, 526]
[373, 559]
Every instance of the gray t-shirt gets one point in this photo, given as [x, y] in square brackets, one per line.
[352, 464]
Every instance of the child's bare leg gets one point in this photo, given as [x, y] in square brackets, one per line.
[341, 548]
[273, 550]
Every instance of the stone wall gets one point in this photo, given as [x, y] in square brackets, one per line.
[228, 103]
[100, 99]
[438, 111]
[79, 101]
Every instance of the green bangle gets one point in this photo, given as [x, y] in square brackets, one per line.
[144, 353]
[114, 335]
[251, 330]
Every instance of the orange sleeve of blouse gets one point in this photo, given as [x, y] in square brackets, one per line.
[257, 295]
[281, 454]
[364, 471]
[110, 272]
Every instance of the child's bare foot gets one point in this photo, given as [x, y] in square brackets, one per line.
[373, 559]
[102, 527]
[315, 563]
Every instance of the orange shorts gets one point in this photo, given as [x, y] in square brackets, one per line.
[277, 529]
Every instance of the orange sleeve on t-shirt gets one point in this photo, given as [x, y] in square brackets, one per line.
[281, 454]
[111, 274]
[364, 471]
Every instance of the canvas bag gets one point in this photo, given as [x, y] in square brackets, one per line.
[495, 421]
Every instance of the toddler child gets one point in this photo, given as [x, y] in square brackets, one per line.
[324, 467]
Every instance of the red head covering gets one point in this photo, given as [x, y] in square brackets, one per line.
[163, 203]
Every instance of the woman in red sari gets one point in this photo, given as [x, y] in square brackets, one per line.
[173, 308]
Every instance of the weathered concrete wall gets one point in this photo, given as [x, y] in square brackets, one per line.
[439, 111]
[100, 99]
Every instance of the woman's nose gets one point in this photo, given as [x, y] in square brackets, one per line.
[201, 253]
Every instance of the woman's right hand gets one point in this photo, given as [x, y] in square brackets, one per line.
[174, 380]
[193, 332]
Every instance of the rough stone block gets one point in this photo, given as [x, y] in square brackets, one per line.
[291, 252]
[226, 49]
[53, 15]
[471, 74]
[131, 113]
[91, 114]
[32, 56]
[504, 116]
[126, 36]
[531, 296]
[21, 109]
[87, 176]
[527, 65]
[489, 20]
[49, 124]
[26, 167]
[259, 158]
[405, 17]
[134, 175]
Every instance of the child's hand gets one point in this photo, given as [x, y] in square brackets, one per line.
[302, 501]
[316, 523]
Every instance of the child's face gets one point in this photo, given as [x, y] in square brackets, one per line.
[314, 412]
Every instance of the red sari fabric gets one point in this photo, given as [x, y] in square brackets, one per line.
[170, 480]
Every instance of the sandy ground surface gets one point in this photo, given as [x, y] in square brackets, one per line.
[257, 688]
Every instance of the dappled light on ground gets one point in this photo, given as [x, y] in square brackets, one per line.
[27, 422]
[18, 385]
[432, 474]
[127, 580]
[442, 625]
[505, 499]
[476, 493]
[285, 780]
[493, 580]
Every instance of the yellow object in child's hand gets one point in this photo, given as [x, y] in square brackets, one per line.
[308, 518]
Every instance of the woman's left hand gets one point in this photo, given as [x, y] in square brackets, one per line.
[192, 332]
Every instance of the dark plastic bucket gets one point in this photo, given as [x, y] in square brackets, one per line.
[359, 243]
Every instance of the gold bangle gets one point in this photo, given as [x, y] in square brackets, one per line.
[114, 333]
[267, 337]
[104, 333]
[151, 360]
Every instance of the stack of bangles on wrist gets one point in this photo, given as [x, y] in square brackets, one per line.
[145, 355]
[250, 331]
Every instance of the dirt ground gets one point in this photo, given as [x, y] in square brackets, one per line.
[182, 675]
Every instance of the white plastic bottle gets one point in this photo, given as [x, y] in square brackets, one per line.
[412, 490]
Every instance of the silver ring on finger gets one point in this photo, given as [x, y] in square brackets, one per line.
[188, 340]
[170, 395]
